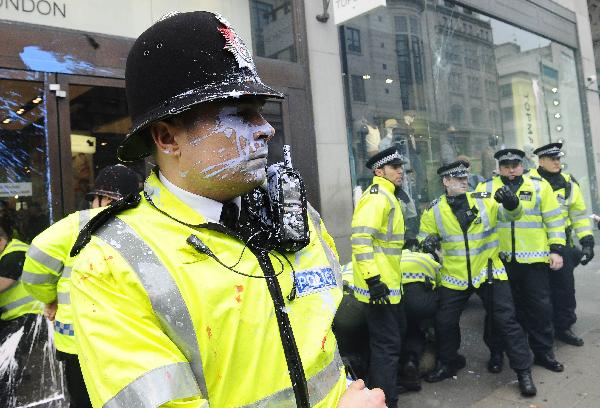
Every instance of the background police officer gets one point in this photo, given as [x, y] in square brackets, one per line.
[530, 247]
[377, 240]
[47, 269]
[465, 224]
[570, 198]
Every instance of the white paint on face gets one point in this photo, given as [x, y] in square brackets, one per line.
[456, 185]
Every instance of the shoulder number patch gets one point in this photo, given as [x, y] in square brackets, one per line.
[482, 194]
[375, 189]
[525, 195]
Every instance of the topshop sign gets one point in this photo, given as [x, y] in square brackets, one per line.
[37, 7]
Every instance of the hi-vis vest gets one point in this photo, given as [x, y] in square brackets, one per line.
[467, 256]
[377, 239]
[572, 205]
[15, 301]
[542, 224]
[419, 267]
[158, 322]
[47, 273]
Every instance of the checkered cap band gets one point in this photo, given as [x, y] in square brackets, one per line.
[510, 156]
[460, 171]
[385, 160]
[552, 151]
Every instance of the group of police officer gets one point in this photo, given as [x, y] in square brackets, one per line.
[509, 241]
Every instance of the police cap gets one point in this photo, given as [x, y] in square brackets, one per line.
[550, 150]
[459, 168]
[506, 156]
[387, 156]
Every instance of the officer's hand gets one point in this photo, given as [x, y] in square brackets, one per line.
[587, 249]
[431, 244]
[359, 396]
[378, 291]
[50, 310]
[556, 261]
[507, 198]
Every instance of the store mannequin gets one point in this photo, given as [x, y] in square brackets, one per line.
[388, 139]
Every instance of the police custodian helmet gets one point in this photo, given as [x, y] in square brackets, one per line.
[182, 60]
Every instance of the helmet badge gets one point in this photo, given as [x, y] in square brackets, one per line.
[235, 45]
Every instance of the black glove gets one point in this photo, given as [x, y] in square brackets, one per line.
[587, 249]
[507, 198]
[557, 249]
[431, 244]
[378, 291]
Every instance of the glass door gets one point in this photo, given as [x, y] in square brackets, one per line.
[27, 195]
[93, 121]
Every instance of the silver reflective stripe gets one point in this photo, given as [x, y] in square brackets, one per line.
[64, 298]
[570, 198]
[157, 387]
[429, 268]
[388, 251]
[376, 234]
[521, 224]
[364, 230]
[362, 241]
[557, 223]
[319, 386]
[472, 251]
[390, 227]
[484, 215]
[489, 187]
[438, 220]
[582, 229]
[84, 218]
[48, 261]
[66, 273]
[35, 278]
[556, 211]
[557, 235]
[17, 303]
[579, 218]
[470, 237]
[532, 211]
[578, 212]
[422, 235]
[363, 257]
[167, 302]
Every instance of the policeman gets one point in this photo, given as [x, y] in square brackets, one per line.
[19, 313]
[530, 247]
[168, 287]
[562, 281]
[465, 226]
[377, 240]
[47, 270]
[420, 277]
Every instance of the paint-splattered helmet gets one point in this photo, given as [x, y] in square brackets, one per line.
[182, 60]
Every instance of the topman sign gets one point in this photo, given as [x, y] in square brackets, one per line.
[37, 7]
[344, 10]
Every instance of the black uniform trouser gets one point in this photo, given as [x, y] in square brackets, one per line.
[505, 328]
[74, 377]
[420, 304]
[530, 284]
[387, 324]
[562, 287]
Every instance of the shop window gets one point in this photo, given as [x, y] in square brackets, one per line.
[473, 84]
[273, 29]
[353, 40]
[358, 89]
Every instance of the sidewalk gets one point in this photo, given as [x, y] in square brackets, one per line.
[578, 386]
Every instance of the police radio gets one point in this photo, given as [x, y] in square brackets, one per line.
[274, 216]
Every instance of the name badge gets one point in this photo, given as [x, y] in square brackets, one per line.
[560, 198]
[314, 280]
[525, 195]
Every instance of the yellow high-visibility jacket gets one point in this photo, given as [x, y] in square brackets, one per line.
[420, 267]
[377, 239]
[572, 205]
[528, 240]
[15, 301]
[47, 273]
[467, 257]
[159, 322]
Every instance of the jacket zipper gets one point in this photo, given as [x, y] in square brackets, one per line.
[512, 238]
[468, 259]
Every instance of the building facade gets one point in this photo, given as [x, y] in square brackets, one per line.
[443, 80]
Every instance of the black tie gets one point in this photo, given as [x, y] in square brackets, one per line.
[229, 215]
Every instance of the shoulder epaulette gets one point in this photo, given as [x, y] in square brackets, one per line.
[481, 194]
[433, 203]
[535, 177]
[488, 179]
[573, 179]
[374, 189]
